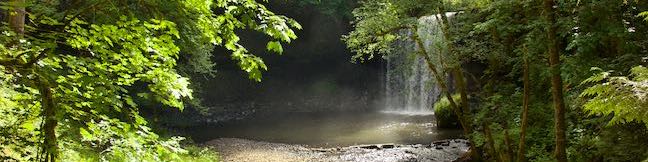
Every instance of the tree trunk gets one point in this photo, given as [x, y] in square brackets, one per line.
[556, 82]
[439, 79]
[17, 17]
[461, 82]
[456, 70]
[50, 145]
[474, 151]
[461, 87]
[525, 111]
[507, 142]
[490, 141]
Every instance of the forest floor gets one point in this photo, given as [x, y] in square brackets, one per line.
[242, 150]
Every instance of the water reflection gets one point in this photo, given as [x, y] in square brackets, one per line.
[328, 129]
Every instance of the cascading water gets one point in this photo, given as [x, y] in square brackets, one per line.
[409, 86]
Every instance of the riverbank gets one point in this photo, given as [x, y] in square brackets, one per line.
[242, 150]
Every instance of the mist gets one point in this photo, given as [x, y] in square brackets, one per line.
[313, 74]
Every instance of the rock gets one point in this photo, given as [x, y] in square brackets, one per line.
[369, 147]
[387, 146]
[439, 142]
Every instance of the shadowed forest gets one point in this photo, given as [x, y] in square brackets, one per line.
[324, 80]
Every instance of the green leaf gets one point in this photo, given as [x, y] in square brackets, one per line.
[644, 14]
[85, 134]
[275, 46]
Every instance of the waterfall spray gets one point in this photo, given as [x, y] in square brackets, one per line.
[409, 88]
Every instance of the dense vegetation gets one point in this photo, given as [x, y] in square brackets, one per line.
[75, 71]
[562, 79]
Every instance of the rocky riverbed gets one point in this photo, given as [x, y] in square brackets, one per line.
[242, 150]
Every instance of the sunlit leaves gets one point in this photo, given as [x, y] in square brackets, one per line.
[19, 122]
[94, 63]
[126, 143]
[90, 79]
[220, 29]
[625, 98]
[168, 88]
[145, 52]
[275, 47]
[644, 14]
[376, 26]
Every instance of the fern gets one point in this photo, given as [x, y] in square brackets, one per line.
[625, 98]
[644, 14]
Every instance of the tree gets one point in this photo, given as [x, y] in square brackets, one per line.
[623, 97]
[377, 26]
[556, 81]
[79, 63]
[525, 111]
[379, 23]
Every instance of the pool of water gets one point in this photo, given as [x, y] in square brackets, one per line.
[328, 129]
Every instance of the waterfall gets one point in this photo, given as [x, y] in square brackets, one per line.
[409, 87]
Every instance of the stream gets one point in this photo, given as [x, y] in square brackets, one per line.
[327, 129]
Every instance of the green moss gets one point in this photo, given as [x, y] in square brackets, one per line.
[445, 116]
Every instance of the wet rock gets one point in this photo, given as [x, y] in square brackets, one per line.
[369, 147]
[438, 142]
[387, 146]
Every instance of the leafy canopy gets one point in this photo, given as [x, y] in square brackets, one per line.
[97, 55]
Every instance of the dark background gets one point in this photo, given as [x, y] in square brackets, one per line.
[313, 74]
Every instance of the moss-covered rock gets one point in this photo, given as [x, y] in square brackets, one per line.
[445, 116]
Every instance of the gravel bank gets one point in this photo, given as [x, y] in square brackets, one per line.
[242, 150]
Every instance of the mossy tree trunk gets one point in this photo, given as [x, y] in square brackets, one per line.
[525, 110]
[50, 145]
[507, 142]
[490, 142]
[17, 16]
[421, 51]
[556, 81]
[16, 21]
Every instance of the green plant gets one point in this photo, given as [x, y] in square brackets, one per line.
[445, 116]
[625, 98]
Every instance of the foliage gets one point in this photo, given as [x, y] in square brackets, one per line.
[501, 35]
[444, 114]
[626, 98]
[220, 29]
[95, 63]
[375, 24]
[20, 123]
